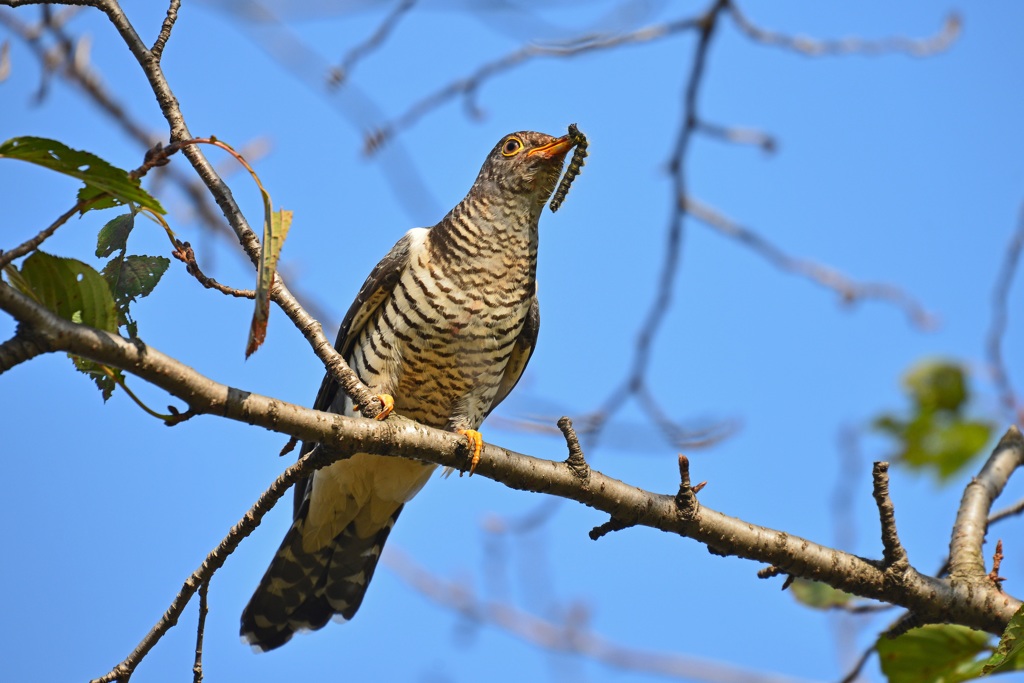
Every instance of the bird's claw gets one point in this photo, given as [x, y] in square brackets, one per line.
[387, 404]
[476, 444]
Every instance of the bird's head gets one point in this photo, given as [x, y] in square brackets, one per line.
[524, 165]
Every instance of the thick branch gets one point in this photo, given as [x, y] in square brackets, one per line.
[933, 599]
[17, 350]
[966, 562]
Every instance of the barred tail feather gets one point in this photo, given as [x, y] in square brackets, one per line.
[301, 591]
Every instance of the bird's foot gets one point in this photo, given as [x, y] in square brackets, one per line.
[387, 404]
[476, 443]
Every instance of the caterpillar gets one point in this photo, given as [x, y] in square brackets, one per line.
[579, 141]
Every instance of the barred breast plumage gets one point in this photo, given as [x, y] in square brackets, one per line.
[445, 324]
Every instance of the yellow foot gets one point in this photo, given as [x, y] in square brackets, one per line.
[476, 443]
[387, 405]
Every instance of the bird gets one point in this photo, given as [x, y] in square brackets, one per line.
[441, 331]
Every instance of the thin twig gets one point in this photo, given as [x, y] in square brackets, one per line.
[468, 85]
[921, 47]
[165, 30]
[576, 461]
[895, 556]
[214, 561]
[197, 667]
[858, 666]
[31, 245]
[739, 136]
[997, 327]
[184, 253]
[848, 289]
[340, 73]
[568, 637]
[1009, 511]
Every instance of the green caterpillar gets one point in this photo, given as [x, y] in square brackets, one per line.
[579, 141]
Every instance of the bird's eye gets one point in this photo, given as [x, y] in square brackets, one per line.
[511, 147]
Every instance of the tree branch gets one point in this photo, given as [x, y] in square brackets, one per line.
[571, 636]
[850, 290]
[918, 47]
[966, 562]
[934, 599]
[997, 327]
[168, 103]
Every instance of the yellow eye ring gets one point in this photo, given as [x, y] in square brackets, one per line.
[511, 147]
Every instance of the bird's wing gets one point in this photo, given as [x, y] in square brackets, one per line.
[379, 285]
[521, 352]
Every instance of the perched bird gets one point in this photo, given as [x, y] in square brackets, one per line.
[445, 324]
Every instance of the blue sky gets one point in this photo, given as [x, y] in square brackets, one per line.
[890, 168]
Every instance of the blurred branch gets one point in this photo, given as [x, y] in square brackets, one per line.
[850, 290]
[573, 636]
[468, 85]
[340, 73]
[917, 47]
[1009, 511]
[997, 327]
[31, 245]
[739, 136]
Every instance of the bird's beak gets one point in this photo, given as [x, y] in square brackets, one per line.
[552, 149]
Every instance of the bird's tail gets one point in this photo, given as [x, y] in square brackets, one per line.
[303, 590]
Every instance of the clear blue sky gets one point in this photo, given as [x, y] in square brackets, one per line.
[892, 168]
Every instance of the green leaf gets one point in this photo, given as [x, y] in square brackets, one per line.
[134, 277]
[114, 235]
[932, 654]
[936, 436]
[100, 374]
[1009, 654]
[98, 175]
[130, 278]
[818, 594]
[275, 229]
[937, 385]
[69, 288]
[76, 292]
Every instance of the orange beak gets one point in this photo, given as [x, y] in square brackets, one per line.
[552, 149]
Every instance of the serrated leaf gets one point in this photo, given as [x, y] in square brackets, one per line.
[275, 229]
[76, 292]
[134, 276]
[130, 278]
[932, 654]
[98, 175]
[818, 594]
[1009, 654]
[68, 286]
[102, 375]
[114, 235]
